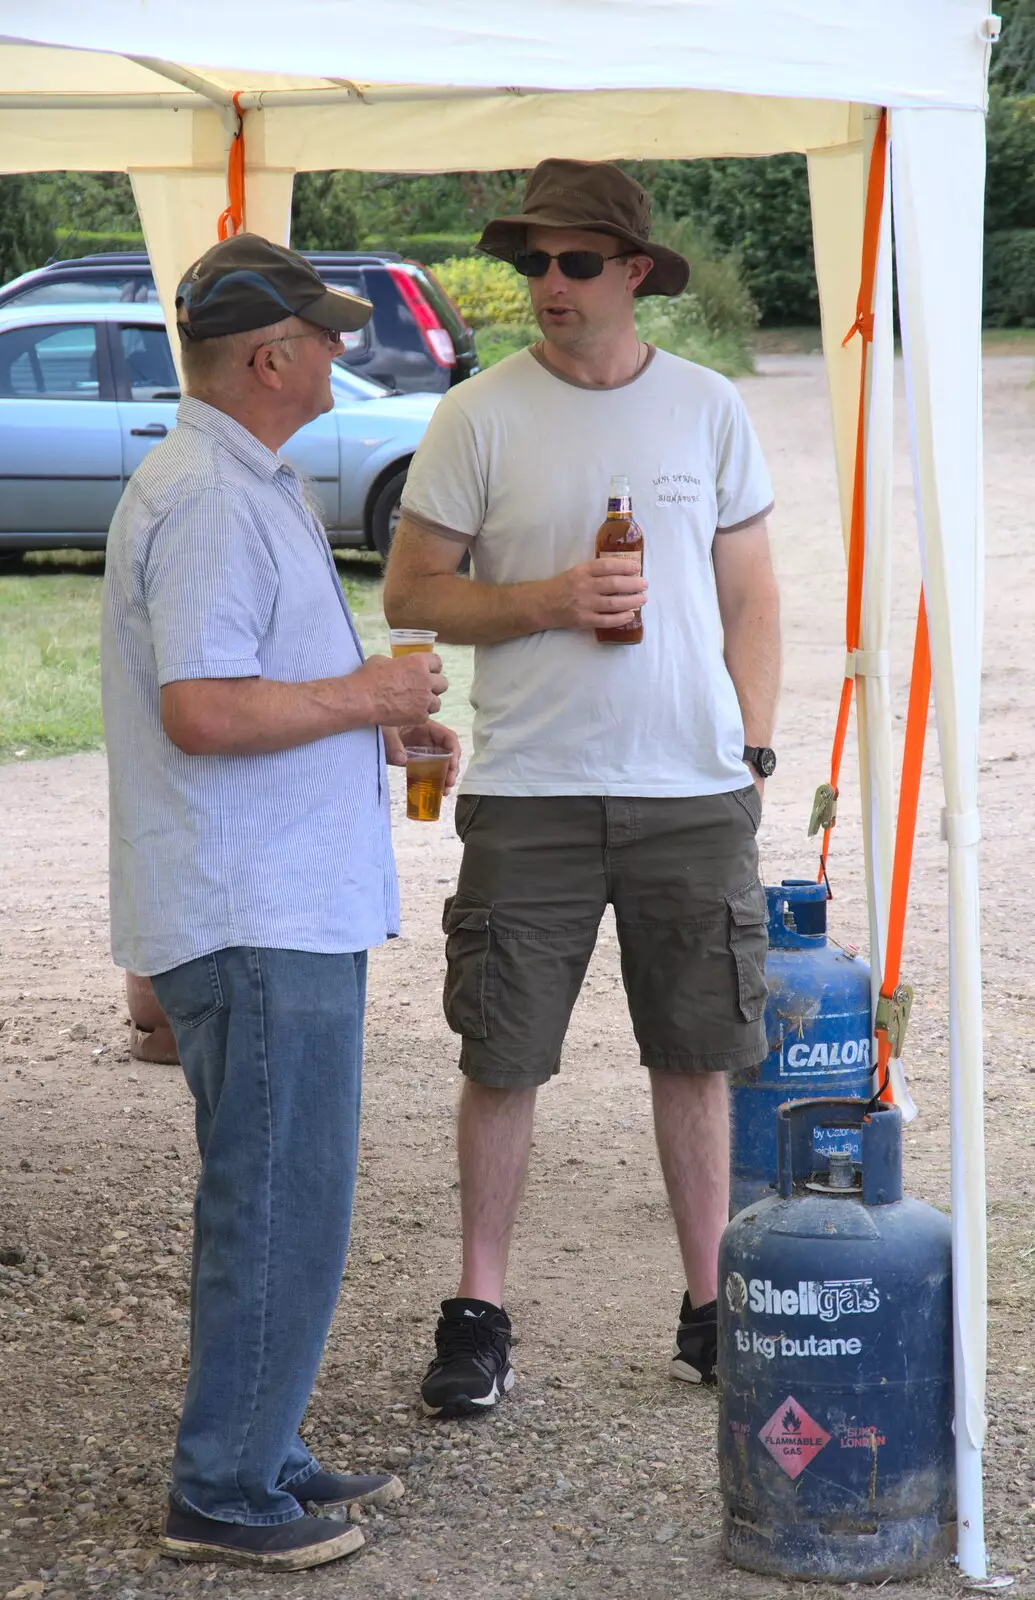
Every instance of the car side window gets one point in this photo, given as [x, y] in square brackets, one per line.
[54, 362]
[149, 363]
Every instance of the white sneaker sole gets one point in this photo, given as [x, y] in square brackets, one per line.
[465, 1404]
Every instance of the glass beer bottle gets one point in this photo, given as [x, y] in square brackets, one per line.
[620, 535]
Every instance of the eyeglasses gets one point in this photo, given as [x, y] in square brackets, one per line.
[328, 335]
[573, 263]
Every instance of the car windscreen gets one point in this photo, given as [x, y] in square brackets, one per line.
[135, 288]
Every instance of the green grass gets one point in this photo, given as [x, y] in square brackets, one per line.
[50, 692]
[50, 613]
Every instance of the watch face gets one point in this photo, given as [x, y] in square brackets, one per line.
[767, 762]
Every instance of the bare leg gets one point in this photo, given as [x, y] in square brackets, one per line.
[691, 1124]
[493, 1142]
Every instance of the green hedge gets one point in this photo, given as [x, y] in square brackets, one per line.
[86, 242]
[428, 248]
[1010, 279]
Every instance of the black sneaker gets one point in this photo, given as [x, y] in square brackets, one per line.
[285, 1547]
[330, 1493]
[472, 1370]
[696, 1343]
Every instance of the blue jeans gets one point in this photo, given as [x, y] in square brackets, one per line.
[271, 1043]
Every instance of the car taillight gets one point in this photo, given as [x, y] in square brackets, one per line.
[435, 336]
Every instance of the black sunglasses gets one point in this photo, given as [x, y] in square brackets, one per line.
[573, 263]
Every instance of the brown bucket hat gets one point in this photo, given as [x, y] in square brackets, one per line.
[595, 195]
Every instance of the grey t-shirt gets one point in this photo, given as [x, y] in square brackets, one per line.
[516, 462]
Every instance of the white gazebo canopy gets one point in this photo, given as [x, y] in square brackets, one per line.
[436, 85]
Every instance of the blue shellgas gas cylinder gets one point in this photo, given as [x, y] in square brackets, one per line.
[818, 1027]
[836, 1452]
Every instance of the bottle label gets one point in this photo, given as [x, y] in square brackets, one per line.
[621, 507]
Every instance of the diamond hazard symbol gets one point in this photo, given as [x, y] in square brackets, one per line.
[792, 1437]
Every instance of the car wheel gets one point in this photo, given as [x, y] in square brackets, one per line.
[385, 516]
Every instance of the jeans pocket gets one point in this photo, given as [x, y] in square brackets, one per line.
[467, 998]
[749, 943]
[190, 994]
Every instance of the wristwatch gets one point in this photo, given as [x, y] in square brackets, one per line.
[761, 758]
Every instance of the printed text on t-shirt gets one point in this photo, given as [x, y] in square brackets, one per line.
[676, 489]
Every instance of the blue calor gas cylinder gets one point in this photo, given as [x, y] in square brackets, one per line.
[818, 1028]
[835, 1362]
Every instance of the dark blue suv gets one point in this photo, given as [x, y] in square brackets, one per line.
[415, 342]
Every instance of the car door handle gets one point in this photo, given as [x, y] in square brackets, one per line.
[154, 430]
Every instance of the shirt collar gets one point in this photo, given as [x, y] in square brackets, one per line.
[233, 436]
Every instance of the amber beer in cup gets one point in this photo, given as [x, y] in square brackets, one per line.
[620, 535]
[426, 771]
[411, 641]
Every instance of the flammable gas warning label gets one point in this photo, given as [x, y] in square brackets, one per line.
[792, 1437]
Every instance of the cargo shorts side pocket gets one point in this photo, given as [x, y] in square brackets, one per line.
[749, 943]
[468, 998]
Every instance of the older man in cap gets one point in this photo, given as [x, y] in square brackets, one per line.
[251, 869]
[601, 773]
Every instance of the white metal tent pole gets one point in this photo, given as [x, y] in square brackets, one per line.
[837, 185]
[872, 690]
[939, 170]
[178, 209]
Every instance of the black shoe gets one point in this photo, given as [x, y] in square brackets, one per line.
[472, 1370]
[696, 1343]
[329, 1493]
[284, 1547]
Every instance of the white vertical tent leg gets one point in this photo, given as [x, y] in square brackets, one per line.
[837, 184]
[939, 169]
[179, 212]
[873, 696]
[179, 209]
[267, 202]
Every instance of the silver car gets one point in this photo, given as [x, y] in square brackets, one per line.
[87, 390]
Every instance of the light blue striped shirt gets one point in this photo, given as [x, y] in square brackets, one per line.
[216, 568]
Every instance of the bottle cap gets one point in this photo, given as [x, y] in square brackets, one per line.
[619, 486]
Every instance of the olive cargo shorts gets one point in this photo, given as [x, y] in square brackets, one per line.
[536, 875]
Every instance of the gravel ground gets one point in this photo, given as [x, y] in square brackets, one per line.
[598, 1476]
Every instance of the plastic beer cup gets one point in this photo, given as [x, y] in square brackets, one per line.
[426, 771]
[411, 641]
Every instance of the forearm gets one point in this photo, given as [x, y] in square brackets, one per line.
[752, 654]
[252, 716]
[463, 611]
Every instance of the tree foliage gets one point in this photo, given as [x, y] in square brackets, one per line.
[1012, 68]
[758, 208]
[323, 213]
[26, 227]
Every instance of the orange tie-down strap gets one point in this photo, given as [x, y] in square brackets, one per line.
[895, 998]
[863, 326]
[231, 221]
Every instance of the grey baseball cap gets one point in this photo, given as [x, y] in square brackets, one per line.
[247, 282]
